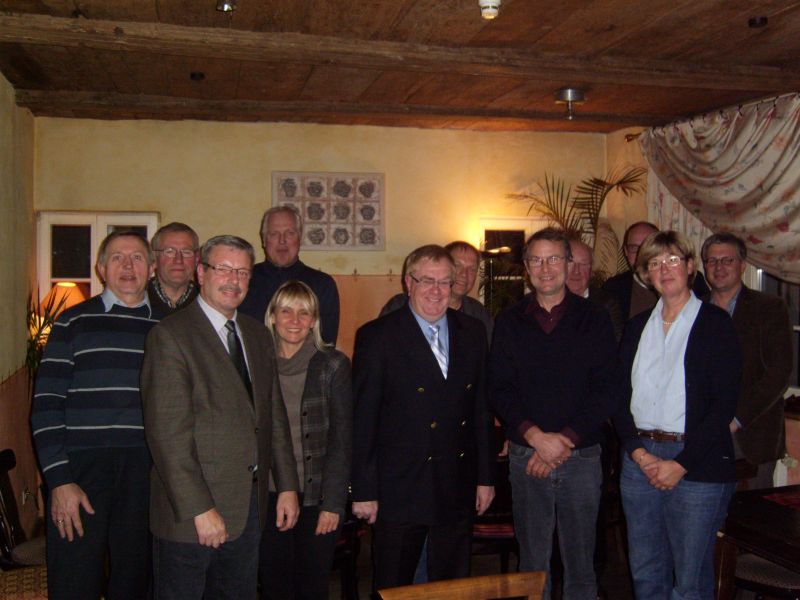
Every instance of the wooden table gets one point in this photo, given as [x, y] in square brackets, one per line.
[761, 526]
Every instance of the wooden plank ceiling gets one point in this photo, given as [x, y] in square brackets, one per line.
[415, 63]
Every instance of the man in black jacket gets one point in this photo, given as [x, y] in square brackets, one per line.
[422, 458]
[553, 378]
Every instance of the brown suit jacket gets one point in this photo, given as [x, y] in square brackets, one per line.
[202, 429]
[765, 332]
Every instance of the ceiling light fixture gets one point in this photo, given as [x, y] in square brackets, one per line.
[489, 8]
[571, 97]
[226, 6]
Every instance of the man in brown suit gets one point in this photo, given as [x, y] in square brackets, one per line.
[762, 322]
[214, 422]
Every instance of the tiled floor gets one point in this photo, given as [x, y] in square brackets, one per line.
[614, 580]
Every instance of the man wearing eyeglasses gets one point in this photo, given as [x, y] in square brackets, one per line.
[172, 287]
[214, 422]
[553, 376]
[422, 461]
[281, 237]
[579, 276]
[764, 328]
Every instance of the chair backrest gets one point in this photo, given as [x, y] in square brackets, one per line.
[510, 585]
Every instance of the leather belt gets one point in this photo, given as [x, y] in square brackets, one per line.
[661, 436]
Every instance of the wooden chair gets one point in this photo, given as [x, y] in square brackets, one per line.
[493, 532]
[23, 575]
[509, 585]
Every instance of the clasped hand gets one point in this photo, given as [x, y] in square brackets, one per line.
[662, 474]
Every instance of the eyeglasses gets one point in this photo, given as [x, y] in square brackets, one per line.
[580, 266]
[226, 271]
[535, 262]
[427, 283]
[725, 261]
[672, 261]
[171, 252]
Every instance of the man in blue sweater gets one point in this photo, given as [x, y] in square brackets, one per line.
[281, 235]
[552, 379]
[89, 436]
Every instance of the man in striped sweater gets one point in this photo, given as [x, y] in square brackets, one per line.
[88, 432]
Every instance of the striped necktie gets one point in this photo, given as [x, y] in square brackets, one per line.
[438, 349]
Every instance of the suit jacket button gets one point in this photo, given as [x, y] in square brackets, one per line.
[420, 389]
[461, 455]
[430, 458]
[310, 480]
[464, 423]
[256, 430]
[308, 457]
[469, 386]
[434, 424]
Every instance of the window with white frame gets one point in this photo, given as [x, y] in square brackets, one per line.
[67, 244]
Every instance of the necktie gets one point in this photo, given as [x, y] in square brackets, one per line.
[438, 349]
[237, 356]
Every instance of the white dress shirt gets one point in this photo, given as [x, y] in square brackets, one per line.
[658, 378]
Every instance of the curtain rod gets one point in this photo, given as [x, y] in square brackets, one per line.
[629, 137]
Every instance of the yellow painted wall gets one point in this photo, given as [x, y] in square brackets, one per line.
[16, 275]
[16, 226]
[216, 176]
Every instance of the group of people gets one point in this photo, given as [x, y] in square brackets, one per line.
[198, 432]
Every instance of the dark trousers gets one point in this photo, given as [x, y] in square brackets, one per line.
[397, 546]
[116, 480]
[189, 571]
[296, 564]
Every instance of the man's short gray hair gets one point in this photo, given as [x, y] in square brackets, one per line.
[102, 251]
[174, 227]
[289, 210]
[231, 241]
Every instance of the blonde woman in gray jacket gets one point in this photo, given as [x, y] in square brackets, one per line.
[316, 387]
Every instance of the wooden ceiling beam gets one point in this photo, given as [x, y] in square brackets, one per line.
[61, 102]
[159, 38]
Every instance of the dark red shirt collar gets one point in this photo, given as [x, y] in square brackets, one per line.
[547, 320]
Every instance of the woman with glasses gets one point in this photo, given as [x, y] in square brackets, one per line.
[682, 368]
[316, 388]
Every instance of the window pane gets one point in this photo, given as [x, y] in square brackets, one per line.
[71, 251]
[140, 229]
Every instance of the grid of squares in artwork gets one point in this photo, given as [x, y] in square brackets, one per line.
[342, 211]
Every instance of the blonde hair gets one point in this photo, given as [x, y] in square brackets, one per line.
[293, 293]
[664, 241]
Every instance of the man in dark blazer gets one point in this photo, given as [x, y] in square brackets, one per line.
[765, 332]
[422, 462]
[214, 422]
[631, 294]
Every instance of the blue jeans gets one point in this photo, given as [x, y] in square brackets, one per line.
[672, 534]
[569, 497]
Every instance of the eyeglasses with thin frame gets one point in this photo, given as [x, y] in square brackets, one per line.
[427, 283]
[535, 262]
[672, 261]
[226, 271]
[171, 252]
[725, 261]
[580, 266]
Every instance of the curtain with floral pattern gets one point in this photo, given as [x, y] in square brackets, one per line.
[735, 170]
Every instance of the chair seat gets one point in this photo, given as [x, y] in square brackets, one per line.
[752, 569]
[493, 530]
[30, 553]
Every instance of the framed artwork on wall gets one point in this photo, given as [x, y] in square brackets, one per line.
[341, 211]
